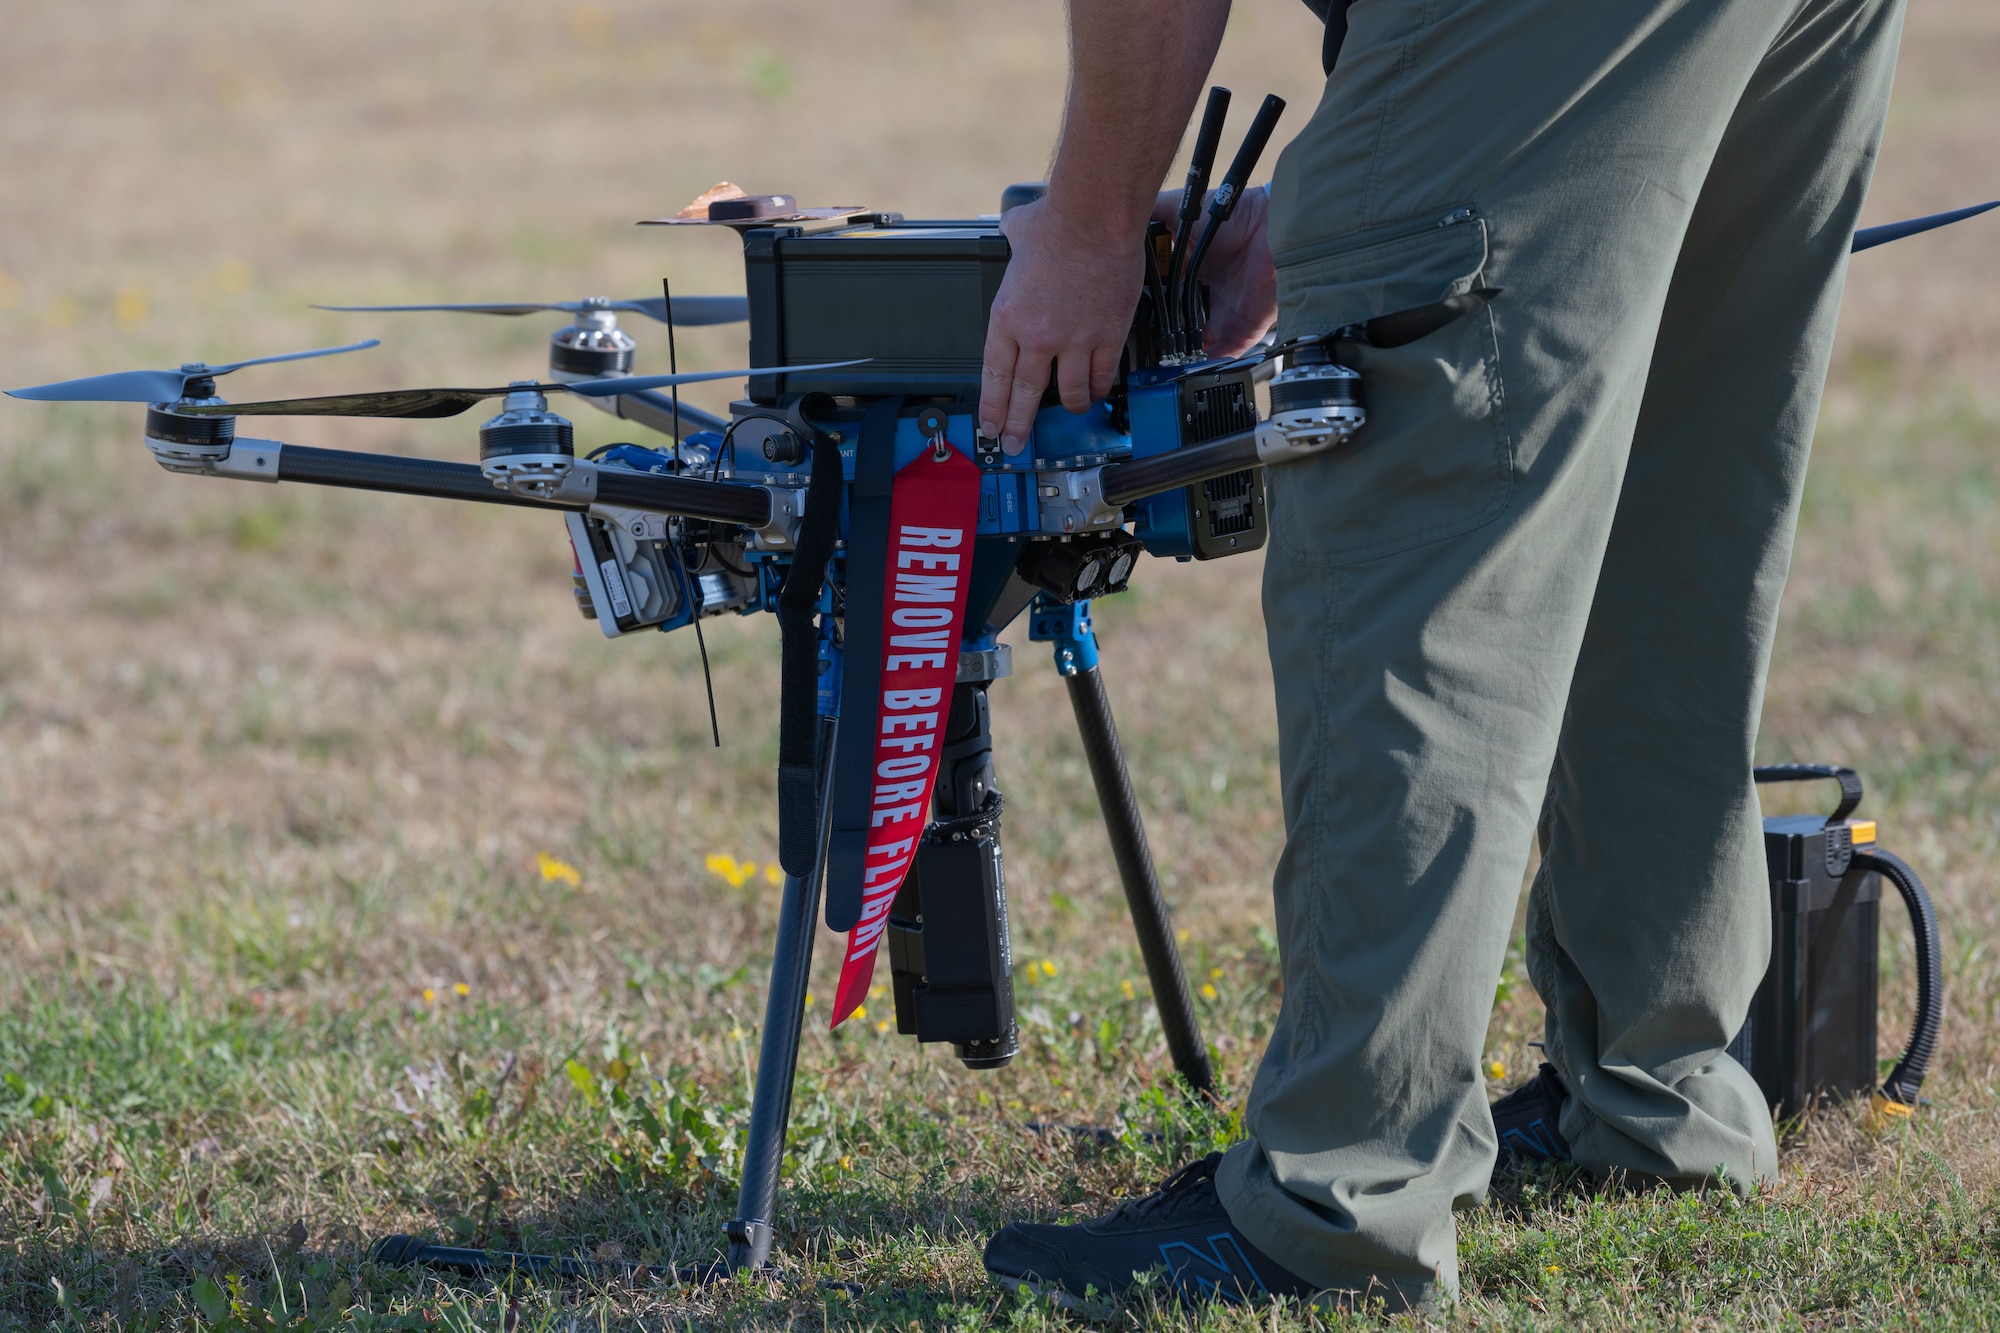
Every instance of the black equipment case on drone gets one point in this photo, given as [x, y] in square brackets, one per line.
[911, 296]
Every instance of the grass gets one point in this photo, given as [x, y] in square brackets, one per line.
[289, 780]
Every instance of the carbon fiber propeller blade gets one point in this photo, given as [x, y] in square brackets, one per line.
[160, 386]
[451, 402]
[1869, 237]
[689, 311]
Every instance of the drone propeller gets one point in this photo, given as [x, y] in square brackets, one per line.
[160, 386]
[689, 311]
[450, 402]
[1870, 237]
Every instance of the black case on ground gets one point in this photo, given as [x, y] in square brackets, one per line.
[1811, 1030]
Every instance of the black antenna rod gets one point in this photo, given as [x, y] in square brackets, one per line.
[1206, 141]
[1227, 194]
[673, 367]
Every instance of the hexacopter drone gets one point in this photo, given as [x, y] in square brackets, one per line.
[849, 493]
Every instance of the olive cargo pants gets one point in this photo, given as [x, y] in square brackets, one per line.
[1540, 586]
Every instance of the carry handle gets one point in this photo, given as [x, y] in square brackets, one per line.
[1849, 780]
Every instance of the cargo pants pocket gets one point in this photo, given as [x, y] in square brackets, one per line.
[1435, 458]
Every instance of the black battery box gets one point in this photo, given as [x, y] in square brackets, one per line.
[1811, 1031]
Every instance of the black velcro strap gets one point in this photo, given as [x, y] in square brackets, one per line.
[798, 692]
[861, 660]
[1849, 780]
[1336, 34]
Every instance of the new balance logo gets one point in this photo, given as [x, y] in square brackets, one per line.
[1535, 1140]
[1219, 1270]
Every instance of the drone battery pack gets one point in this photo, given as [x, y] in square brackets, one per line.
[949, 956]
[911, 297]
[1811, 1029]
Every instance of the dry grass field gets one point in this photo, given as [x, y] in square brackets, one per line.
[280, 969]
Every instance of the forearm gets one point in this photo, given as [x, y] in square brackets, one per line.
[1136, 67]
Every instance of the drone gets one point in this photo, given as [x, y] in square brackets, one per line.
[850, 494]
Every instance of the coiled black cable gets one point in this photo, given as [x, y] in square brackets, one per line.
[1908, 1075]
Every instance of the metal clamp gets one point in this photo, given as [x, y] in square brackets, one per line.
[1073, 501]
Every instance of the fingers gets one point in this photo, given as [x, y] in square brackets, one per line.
[1024, 400]
[996, 379]
[1010, 387]
[1074, 367]
[1103, 371]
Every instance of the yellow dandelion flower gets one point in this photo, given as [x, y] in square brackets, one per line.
[555, 869]
[130, 308]
[736, 1034]
[733, 872]
[874, 992]
[1496, 1069]
[1553, 1269]
[809, 1000]
[1215, 974]
[882, 1026]
[847, 1163]
[1182, 935]
[460, 989]
[860, 1011]
[430, 996]
[1048, 967]
[1125, 989]
[1208, 992]
[774, 874]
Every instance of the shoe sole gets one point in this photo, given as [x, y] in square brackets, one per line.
[1058, 1296]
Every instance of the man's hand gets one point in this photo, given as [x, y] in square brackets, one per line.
[1066, 303]
[1073, 280]
[1242, 284]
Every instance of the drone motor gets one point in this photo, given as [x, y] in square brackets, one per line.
[527, 450]
[184, 443]
[1315, 401]
[594, 346]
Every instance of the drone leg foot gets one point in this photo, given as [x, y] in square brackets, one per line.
[1141, 881]
[750, 1233]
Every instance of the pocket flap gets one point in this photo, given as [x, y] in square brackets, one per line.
[1353, 278]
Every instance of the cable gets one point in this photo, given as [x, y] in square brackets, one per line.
[1206, 140]
[1908, 1075]
[1227, 194]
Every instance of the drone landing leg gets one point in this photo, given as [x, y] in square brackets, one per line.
[1068, 629]
[778, 1054]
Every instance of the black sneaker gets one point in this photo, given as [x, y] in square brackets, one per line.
[1525, 1121]
[1180, 1230]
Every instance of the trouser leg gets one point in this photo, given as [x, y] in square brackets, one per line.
[1427, 589]
[1649, 920]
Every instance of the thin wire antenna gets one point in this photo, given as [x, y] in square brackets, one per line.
[692, 591]
[674, 368]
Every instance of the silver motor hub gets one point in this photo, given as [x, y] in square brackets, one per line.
[527, 449]
[594, 346]
[1316, 402]
[190, 443]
